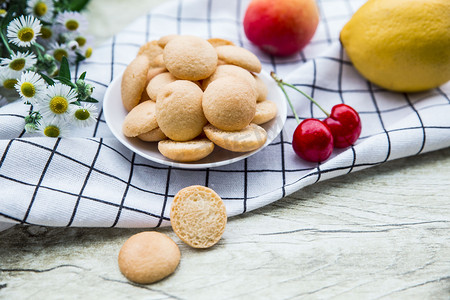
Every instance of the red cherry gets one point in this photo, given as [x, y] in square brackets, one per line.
[313, 140]
[345, 125]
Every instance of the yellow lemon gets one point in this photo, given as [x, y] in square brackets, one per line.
[401, 45]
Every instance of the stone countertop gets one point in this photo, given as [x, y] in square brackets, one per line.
[378, 233]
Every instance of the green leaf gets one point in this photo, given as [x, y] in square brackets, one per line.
[77, 5]
[91, 100]
[47, 79]
[66, 81]
[64, 70]
[82, 76]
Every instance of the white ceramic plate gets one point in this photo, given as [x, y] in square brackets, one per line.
[115, 113]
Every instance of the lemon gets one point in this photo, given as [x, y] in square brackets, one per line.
[400, 45]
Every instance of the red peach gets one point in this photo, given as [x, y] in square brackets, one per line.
[281, 27]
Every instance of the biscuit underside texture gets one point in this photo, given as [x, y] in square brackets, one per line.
[198, 216]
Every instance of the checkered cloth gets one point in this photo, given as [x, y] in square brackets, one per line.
[90, 179]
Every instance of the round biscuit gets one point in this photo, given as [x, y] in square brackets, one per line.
[216, 42]
[152, 72]
[261, 88]
[229, 103]
[198, 216]
[141, 119]
[154, 135]
[179, 110]
[250, 138]
[148, 256]
[162, 42]
[133, 82]
[150, 49]
[158, 82]
[190, 57]
[157, 62]
[265, 111]
[229, 70]
[187, 151]
[239, 56]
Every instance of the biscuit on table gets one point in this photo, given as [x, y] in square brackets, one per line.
[157, 83]
[229, 70]
[250, 138]
[190, 57]
[154, 135]
[179, 110]
[265, 111]
[216, 42]
[141, 119]
[150, 49]
[147, 257]
[229, 103]
[133, 82]
[198, 216]
[239, 56]
[187, 151]
[162, 42]
[261, 88]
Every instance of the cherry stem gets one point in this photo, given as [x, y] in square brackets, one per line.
[280, 83]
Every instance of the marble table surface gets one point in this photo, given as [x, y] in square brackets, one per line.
[380, 233]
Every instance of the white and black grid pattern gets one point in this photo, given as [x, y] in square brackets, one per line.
[90, 179]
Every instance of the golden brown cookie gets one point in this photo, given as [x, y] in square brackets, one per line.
[162, 42]
[148, 257]
[133, 81]
[229, 70]
[198, 216]
[190, 57]
[179, 110]
[152, 72]
[157, 62]
[261, 89]
[250, 138]
[216, 42]
[141, 119]
[154, 135]
[157, 83]
[229, 103]
[239, 56]
[150, 49]
[265, 111]
[187, 151]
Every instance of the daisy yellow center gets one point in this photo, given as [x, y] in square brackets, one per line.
[9, 83]
[58, 105]
[46, 33]
[52, 131]
[88, 52]
[59, 53]
[28, 89]
[40, 9]
[17, 64]
[25, 34]
[81, 41]
[82, 114]
[72, 25]
[2, 12]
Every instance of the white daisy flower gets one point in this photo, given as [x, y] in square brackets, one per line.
[9, 78]
[56, 103]
[72, 21]
[85, 115]
[23, 30]
[19, 61]
[41, 9]
[3, 12]
[31, 87]
[53, 127]
[48, 35]
[60, 50]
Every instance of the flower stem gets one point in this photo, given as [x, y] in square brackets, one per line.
[280, 83]
[6, 43]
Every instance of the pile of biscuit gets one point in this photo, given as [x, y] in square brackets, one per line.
[190, 94]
